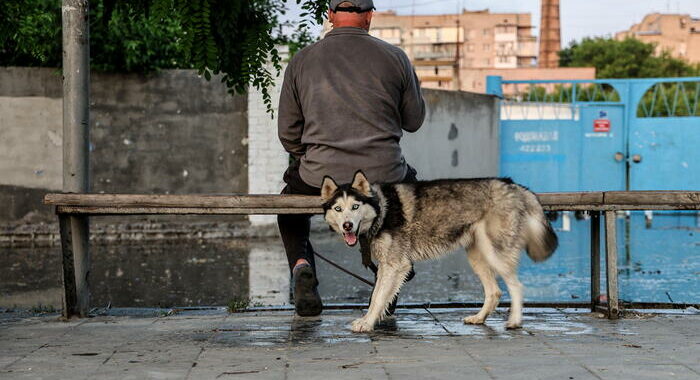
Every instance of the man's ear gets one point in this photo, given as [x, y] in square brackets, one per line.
[328, 187]
[361, 184]
[368, 20]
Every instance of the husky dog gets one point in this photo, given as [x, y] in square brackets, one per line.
[493, 218]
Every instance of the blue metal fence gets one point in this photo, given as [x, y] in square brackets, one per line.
[608, 134]
[611, 134]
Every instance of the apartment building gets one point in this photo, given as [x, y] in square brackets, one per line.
[677, 33]
[440, 46]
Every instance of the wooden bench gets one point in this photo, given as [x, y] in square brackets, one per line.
[74, 209]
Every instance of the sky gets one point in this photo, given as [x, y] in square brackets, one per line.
[579, 18]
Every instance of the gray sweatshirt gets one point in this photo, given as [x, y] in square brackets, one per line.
[344, 103]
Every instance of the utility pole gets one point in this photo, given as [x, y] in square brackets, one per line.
[76, 140]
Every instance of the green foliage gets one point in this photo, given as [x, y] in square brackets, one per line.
[240, 304]
[299, 39]
[671, 99]
[629, 58]
[232, 38]
[30, 33]
[128, 40]
[237, 305]
[566, 93]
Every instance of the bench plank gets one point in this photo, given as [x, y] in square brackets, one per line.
[239, 204]
[252, 200]
[167, 210]
[188, 201]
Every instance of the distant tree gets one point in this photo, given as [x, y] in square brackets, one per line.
[629, 58]
[234, 38]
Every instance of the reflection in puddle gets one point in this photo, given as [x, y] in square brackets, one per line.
[269, 275]
[216, 272]
[153, 274]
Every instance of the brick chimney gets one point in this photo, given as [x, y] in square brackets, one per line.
[550, 35]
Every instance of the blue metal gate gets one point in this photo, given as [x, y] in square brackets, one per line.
[609, 134]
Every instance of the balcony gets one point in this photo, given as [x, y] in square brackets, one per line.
[434, 55]
[527, 47]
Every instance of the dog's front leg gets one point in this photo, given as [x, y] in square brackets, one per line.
[390, 277]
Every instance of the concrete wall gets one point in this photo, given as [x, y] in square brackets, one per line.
[176, 133]
[173, 132]
[459, 138]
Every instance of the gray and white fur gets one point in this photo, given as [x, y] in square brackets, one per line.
[493, 218]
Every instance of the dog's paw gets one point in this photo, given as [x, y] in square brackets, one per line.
[361, 325]
[512, 325]
[474, 320]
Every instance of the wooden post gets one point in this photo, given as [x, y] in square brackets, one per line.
[611, 264]
[76, 120]
[595, 258]
[70, 303]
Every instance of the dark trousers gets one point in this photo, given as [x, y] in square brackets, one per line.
[294, 229]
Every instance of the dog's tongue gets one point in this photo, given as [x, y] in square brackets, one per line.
[350, 238]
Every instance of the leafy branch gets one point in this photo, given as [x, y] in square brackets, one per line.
[234, 39]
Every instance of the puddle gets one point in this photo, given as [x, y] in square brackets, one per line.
[665, 265]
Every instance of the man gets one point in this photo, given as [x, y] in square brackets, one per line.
[344, 103]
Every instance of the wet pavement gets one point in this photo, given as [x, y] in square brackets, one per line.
[427, 343]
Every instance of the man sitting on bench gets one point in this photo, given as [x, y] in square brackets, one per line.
[344, 103]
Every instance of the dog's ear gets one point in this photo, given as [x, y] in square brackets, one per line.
[361, 184]
[328, 187]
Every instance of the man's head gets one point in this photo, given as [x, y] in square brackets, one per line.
[355, 13]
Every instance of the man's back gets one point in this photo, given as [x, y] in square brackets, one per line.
[343, 106]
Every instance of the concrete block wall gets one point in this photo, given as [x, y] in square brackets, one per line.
[172, 132]
[459, 137]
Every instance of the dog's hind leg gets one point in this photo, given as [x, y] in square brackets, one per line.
[492, 293]
[390, 277]
[515, 289]
[503, 262]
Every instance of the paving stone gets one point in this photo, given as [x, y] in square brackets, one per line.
[417, 343]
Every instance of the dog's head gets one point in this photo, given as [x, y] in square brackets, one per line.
[349, 209]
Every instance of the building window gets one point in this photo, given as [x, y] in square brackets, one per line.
[487, 47]
[487, 32]
[487, 62]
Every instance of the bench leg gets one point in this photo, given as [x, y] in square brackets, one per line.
[611, 264]
[76, 265]
[595, 259]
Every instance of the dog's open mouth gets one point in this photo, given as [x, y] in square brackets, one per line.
[350, 238]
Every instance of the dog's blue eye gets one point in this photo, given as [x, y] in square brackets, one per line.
[337, 208]
[355, 206]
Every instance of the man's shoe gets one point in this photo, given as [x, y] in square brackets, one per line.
[307, 301]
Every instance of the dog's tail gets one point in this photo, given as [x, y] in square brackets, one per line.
[541, 239]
